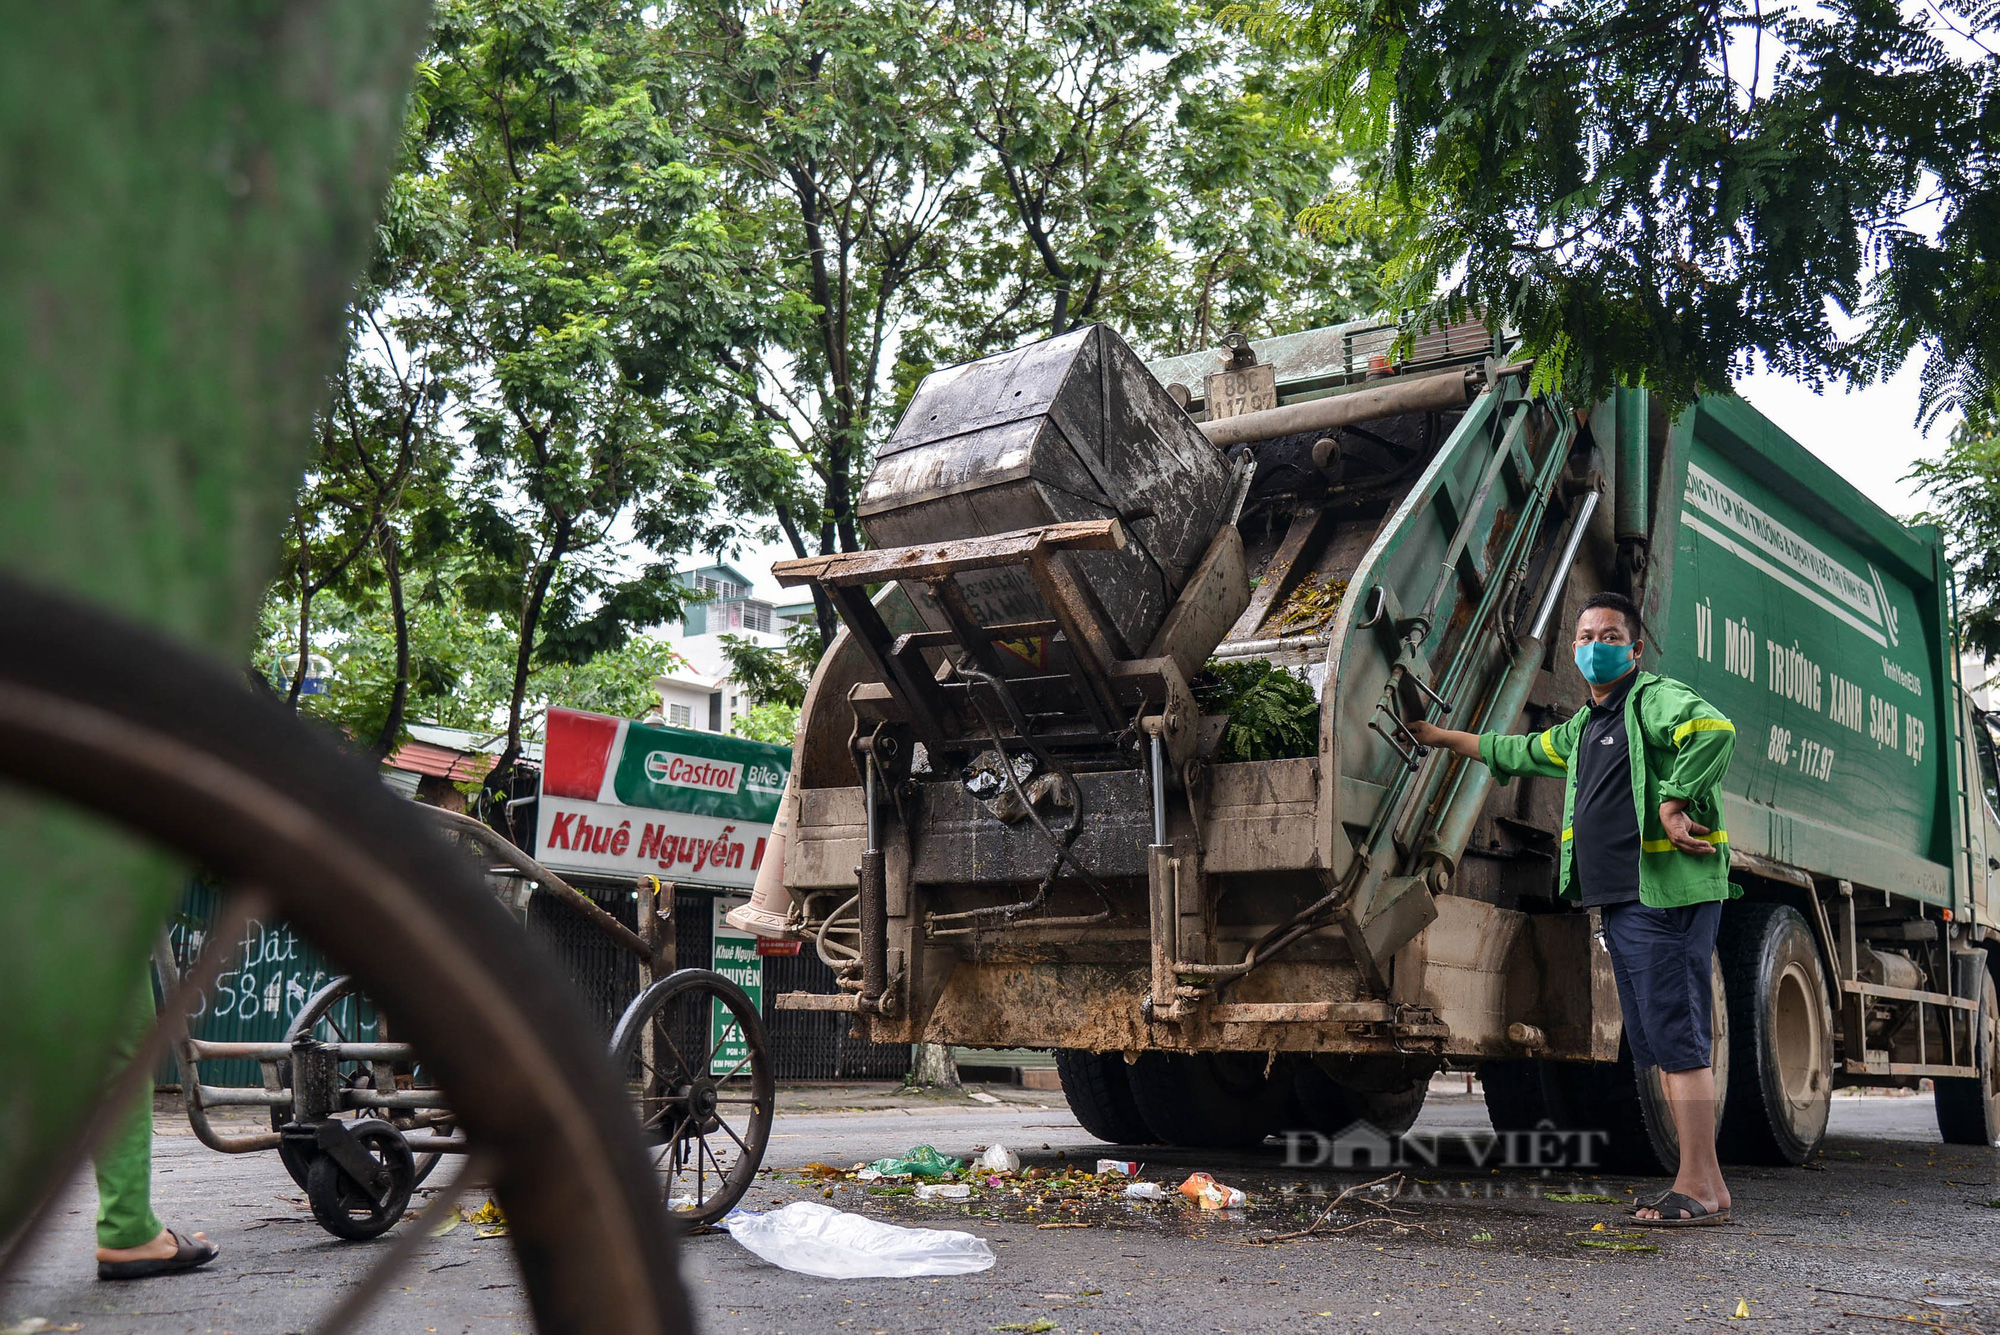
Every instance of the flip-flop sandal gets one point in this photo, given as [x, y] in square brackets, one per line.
[188, 1253]
[1635, 1206]
[1698, 1215]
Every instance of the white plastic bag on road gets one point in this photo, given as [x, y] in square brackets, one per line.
[816, 1239]
[1000, 1159]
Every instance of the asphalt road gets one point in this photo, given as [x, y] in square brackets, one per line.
[1887, 1224]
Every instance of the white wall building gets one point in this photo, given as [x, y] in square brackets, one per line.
[702, 695]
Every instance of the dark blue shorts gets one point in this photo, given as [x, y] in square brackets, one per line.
[1661, 959]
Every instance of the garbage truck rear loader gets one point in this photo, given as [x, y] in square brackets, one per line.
[1013, 824]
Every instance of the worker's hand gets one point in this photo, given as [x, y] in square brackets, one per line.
[1461, 743]
[1682, 829]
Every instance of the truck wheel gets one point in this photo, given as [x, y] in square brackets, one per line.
[1331, 1105]
[1208, 1100]
[1099, 1092]
[1625, 1107]
[1780, 1036]
[1968, 1110]
[1517, 1093]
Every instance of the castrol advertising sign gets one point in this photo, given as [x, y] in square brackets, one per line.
[632, 799]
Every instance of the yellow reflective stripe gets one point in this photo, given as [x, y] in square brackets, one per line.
[1568, 833]
[1695, 725]
[1549, 747]
[1667, 845]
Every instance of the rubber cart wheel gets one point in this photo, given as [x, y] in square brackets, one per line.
[343, 1206]
[1968, 1110]
[1780, 1036]
[1332, 1104]
[1208, 1100]
[1098, 1088]
[698, 1068]
[170, 744]
[326, 1018]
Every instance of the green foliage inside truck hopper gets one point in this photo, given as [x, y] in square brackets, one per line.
[1273, 715]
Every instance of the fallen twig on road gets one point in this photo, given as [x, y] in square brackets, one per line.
[1312, 1229]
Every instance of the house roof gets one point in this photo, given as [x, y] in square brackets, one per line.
[719, 568]
[441, 762]
[458, 754]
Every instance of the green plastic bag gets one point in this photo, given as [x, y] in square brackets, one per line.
[920, 1161]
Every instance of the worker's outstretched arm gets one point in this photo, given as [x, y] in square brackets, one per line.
[1545, 753]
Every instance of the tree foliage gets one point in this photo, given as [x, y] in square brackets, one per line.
[1654, 192]
[919, 183]
[460, 665]
[774, 674]
[1964, 487]
[652, 277]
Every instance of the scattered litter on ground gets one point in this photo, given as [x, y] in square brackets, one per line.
[1035, 1327]
[917, 1161]
[1000, 1159]
[947, 1191]
[1078, 1224]
[1147, 1191]
[814, 1239]
[35, 1324]
[1580, 1198]
[1209, 1194]
[981, 1096]
[1122, 1167]
[488, 1221]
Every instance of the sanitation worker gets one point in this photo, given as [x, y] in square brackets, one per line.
[1642, 840]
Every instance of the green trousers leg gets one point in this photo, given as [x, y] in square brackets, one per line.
[124, 1161]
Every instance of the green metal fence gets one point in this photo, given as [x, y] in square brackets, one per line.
[267, 981]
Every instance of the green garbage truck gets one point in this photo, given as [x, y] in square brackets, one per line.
[1113, 753]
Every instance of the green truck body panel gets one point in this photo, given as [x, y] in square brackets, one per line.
[1818, 625]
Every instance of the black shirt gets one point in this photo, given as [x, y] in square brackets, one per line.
[1604, 827]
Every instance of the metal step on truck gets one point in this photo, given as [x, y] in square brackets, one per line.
[1028, 811]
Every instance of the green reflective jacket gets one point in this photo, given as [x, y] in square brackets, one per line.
[1680, 747]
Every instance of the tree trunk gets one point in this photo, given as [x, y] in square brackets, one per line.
[399, 694]
[931, 1065]
[299, 669]
[499, 780]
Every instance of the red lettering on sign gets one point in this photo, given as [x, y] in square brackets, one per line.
[652, 841]
[559, 829]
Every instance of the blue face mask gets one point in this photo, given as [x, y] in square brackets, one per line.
[1601, 663]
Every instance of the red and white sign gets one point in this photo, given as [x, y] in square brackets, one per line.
[632, 799]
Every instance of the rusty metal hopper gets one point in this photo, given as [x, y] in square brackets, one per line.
[1069, 429]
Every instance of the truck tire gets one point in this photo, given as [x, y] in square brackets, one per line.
[1968, 1110]
[1099, 1093]
[1517, 1093]
[1615, 1116]
[1331, 1105]
[1209, 1100]
[1780, 1036]
[1652, 1146]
